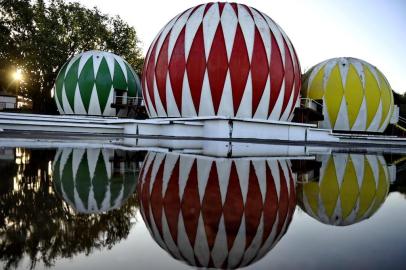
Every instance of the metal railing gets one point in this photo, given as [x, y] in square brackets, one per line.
[129, 101]
[311, 104]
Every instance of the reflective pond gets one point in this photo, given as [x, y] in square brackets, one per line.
[93, 208]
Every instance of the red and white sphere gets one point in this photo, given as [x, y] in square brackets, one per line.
[216, 212]
[221, 59]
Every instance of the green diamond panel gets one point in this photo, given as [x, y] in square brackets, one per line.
[71, 80]
[86, 82]
[103, 84]
[119, 81]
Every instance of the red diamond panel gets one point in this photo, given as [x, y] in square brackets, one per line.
[259, 70]
[196, 66]
[233, 207]
[239, 67]
[253, 207]
[212, 206]
[289, 77]
[177, 68]
[276, 73]
[156, 198]
[191, 205]
[283, 200]
[172, 202]
[150, 75]
[217, 66]
[270, 204]
[161, 70]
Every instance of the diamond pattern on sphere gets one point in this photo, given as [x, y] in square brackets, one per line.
[212, 207]
[156, 198]
[71, 80]
[103, 83]
[259, 70]
[356, 97]
[161, 70]
[191, 204]
[213, 40]
[253, 207]
[239, 67]
[59, 83]
[223, 230]
[283, 200]
[233, 207]
[276, 72]
[133, 83]
[196, 67]
[86, 82]
[334, 94]
[217, 66]
[297, 78]
[270, 204]
[177, 66]
[172, 202]
[150, 77]
[119, 80]
[289, 77]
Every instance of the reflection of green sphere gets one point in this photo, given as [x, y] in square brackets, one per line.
[351, 188]
[84, 179]
[86, 83]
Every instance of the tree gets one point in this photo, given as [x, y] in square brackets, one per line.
[39, 36]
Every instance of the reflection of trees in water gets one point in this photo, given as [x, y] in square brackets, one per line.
[36, 223]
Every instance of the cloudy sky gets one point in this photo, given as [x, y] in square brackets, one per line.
[372, 30]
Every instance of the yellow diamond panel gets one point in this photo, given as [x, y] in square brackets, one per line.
[329, 189]
[386, 94]
[372, 95]
[316, 90]
[334, 94]
[382, 189]
[367, 191]
[349, 190]
[311, 191]
[354, 94]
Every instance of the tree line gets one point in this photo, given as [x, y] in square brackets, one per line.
[39, 36]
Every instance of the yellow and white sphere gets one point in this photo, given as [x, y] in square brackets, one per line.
[356, 95]
[350, 188]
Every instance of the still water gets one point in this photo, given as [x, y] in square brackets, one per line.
[78, 208]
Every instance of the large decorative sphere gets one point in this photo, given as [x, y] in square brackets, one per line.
[356, 95]
[221, 59]
[216, 212]
[85, 180]
[86, 83]
[351, 188]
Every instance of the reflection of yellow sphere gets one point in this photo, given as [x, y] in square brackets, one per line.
[356, 95]
[351, 188]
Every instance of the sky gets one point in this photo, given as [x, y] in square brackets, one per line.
[371, 30]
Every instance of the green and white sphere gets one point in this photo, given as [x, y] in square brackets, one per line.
[85, 85]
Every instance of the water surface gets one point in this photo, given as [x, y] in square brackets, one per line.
[86, 208]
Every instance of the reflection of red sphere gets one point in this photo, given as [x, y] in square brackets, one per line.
[223, 213]
[223, 59]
